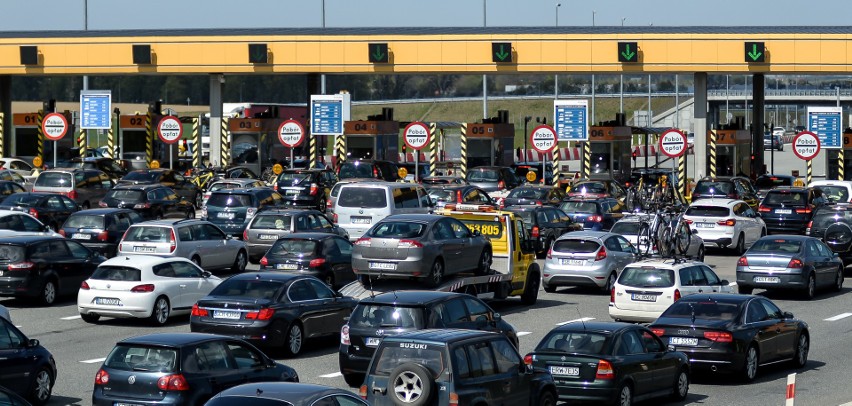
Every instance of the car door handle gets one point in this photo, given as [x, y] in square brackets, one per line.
[182, 286]
[700, 291]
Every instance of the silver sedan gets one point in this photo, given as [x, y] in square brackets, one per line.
[420, 246]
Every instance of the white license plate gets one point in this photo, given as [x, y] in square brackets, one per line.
[362, 220]
[683, 341]
[223, 215]
[704, 225]
[373, 341]
[784, 211]
[569, 371]
[220, 314]
[81, 236]
[573, 261]
[268, 237]
[107, 301]
[644, 298]
[382, 265]
[293, 192]
[767, 279]
[286, 266]
[144, 249]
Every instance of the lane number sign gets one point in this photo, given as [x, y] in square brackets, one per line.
[806, 145]
[169, 129]
[543, 138]
[291, 133]
[54, 126]
[416, 135]
[673, 143]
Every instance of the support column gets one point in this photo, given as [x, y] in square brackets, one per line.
[314, 84]
[759, 102]
[6, 109]
[700, 125]
[217, 80]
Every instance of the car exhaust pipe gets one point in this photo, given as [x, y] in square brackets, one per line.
[713, 368]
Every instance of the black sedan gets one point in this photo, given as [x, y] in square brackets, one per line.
[610, 362]
[100, 230]
[29, 369]
[325, 256]
[306, 188]
[151, 201]
[545, 224]
[286, 394]
[50, 208]
[534, 195]
[733, 333]
[443, 195]
[166, 177]
[276, 310]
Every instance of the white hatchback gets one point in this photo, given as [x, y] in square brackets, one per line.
[837, 191]
[143, 286]
[647, 288]
[725, 223]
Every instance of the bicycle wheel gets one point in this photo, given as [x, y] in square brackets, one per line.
[665, 245]
[629, 201]
[643, 239]
[682, 239]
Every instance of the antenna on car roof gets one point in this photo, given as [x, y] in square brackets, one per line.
[582, 320]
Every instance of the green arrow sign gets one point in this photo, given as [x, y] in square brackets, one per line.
[501, 52]
[628, 52]
[378, 53]
[755, 52]
[258, 53]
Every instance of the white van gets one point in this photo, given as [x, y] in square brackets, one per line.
[360, 205]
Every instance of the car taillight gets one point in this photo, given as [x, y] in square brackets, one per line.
[245, 235]
[264, 261]
[687, 221]
[363, 241]
[502, 203]
[72, 194]
[250, 212]
[763, 209]
[605, 370]
[172, 241]
[102, 377]
[535, 232]
[362, 392]
[84, 286]
[148, 287]
[61, 232]
[314, 189]
[316, 263]
[145, 205]
[458, 197]
[21, 266]
[538, 203]
[612, 295]
[409, 244]
[197, 311]
[658, 331]
[601, 254]
[501, 184]
[454, 399]
[528, 360]
[33, 212]
[172, 383]
[102, 204]
[808, 229]
[275, 187]
[795, 263]
[102, 236]
[595, 218]
[344, 335]
[375, 172]
[677, 295]
[263, 314]
[719, 336]
[743, 261]
[328, 205]
[335, 218]
[727, 222]
[806, 210]
[550, 253]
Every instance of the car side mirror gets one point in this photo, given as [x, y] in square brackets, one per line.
[694, 231]
[788, 315]
[46, 228]
[724, 282]
[33, 343]
[206, 274]
[475, 233]
[496, 316]
[670, 348]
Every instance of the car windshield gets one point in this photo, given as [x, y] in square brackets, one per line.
[85, 221]
[12, 253]
[702, 310]
[775, 245]
[527, 193]
[708, 211]
[579, 342]
[397, 229]
[294, 179]
[253, 288]
[579, 207]
[117, 273]
[393, 355]
[21, 199]
[355, 170]
[526, 215]
[376, 315]
[363, 197]
[833, 193]
[589, 187]
[576, 246]
[823, 219]
[646, 277]
[224, 185]
[125, 195]
[229, 200]
[785, 198]
[271, 222]
[714, 188]
[142, 176]
[54, 179]
[626, 228]
[292, 247]
[142, 358]
[483, 175]
[148, 234]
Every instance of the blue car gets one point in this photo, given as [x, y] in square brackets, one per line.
[598, 214]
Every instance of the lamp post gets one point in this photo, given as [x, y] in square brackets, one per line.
[622, 21]
[556, 75]
[526, 134]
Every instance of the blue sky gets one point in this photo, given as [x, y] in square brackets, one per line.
[175, 14]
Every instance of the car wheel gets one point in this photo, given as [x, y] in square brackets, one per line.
[740, 248]
[199, 200]
[803, 346]
[160, 312]
[42, 387]
[749, 371]
[240, 262]
[353, 380]
[700, 256]
[294, 340]
[436, 275]
[744, 290]
[48, 293]
[838, 283]
[549, 288]
[90, 317]
[546, 399]
[410, 384]
[625, 395]
[484, 264]
[530, 295]
[322, 205]
[610, 283]
[810, 288]
[681, 386]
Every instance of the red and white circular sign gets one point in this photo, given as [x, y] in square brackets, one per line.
[416, 135]
[543, 138]
[54, 126]
[291, 133]
[169, 129]
[672, 143]
[806, 145]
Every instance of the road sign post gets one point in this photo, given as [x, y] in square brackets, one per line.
[54, 126]
[806, 146]
[291, 133]
[543, 139]
[170, 129]
[416, 136]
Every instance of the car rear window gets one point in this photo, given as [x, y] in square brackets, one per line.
[835, 193]
[626, 228]
[580, 342]
[143, 176]
[576, 246]
[786, 198]
[442, 195]
[253, 288]
[292, 247]
[85, 221]
[527, 193]
[363, 197]
[224, 185]
[589, 187]
[397, 229]
[295, 179]
[12, 253]
[21, 199]
[355, 170]
[134, 357]
[148, 234]
[54, 179]
[393, 355]
[483, 175]
[229, 200]
[708, 211]
[704, 310]
[117, 273]
[769, 182]
[125, 195]
[714, 188]
[271, 222]
[776, 245]
[526, 215]
[386, 315]
[646, 277]
[579, 207]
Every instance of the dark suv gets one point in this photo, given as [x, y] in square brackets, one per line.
[393, 313]
[305, 188]
[597, 214]
[151, 201]
[232, 209]
[365, 168]
[166, 177]
[493, 178]
[732, 187]
[788, 210]
[833, 225]
[452, 366]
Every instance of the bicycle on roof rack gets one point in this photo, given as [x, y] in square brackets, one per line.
[663, 231]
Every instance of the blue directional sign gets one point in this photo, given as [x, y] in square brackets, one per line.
[328, 113]
[827, 124]
[571, 120]
[95, 109]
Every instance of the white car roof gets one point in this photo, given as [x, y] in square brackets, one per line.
[141, 261]
[846, 183]
[664, 264]
[716, 202]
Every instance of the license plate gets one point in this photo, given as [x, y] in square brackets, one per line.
[81, 236]
[286, 266]
[373, 341]
[644, 298]
[784, 211]
[361, 220]
[683, 341]
[573, 261]
[767, 279]
[107, 301]
[293, 192]
[569, 371]
[382, 265]
[268, 237]
[222, 215]
[126, 404]
[704, 225]
[220, 314]
[144, 249]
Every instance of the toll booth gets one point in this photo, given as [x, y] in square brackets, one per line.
[255, 143]
[372, 139]
[611, 152]
[831, 158]
[490, 144]
[733, 152]
[24, 140]
[132, 139]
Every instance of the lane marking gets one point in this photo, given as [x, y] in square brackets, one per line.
[71, 317]
[334, 375]
[523, 333]
[93, 361]
[575, 321]
[839, 316]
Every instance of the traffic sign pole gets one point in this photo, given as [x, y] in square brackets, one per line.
[543, 139]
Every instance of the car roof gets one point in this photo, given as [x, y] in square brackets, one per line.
[381, 184]
[586, 234]
[834, 207]
[722, 202]
[26, 239]
[170, 223]
[138, 186]
[287, 391]
[606, 327]
[726, 297]
[308, 236]
[788, 189]
[100, 211]
[790, 237]
[665, 263]
[448, 335]
[583, 198]
[424, 218]
[410, 297]
[140, 261]
[173, 339]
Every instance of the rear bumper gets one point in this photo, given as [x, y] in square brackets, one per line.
[556, 275]
[637, 316]
[712, 360]
[413, 267]
[787, 226]
[583, 391]
[257, 251]
[102, 398]
[352, 363]
[257, 333]
[786, 280]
